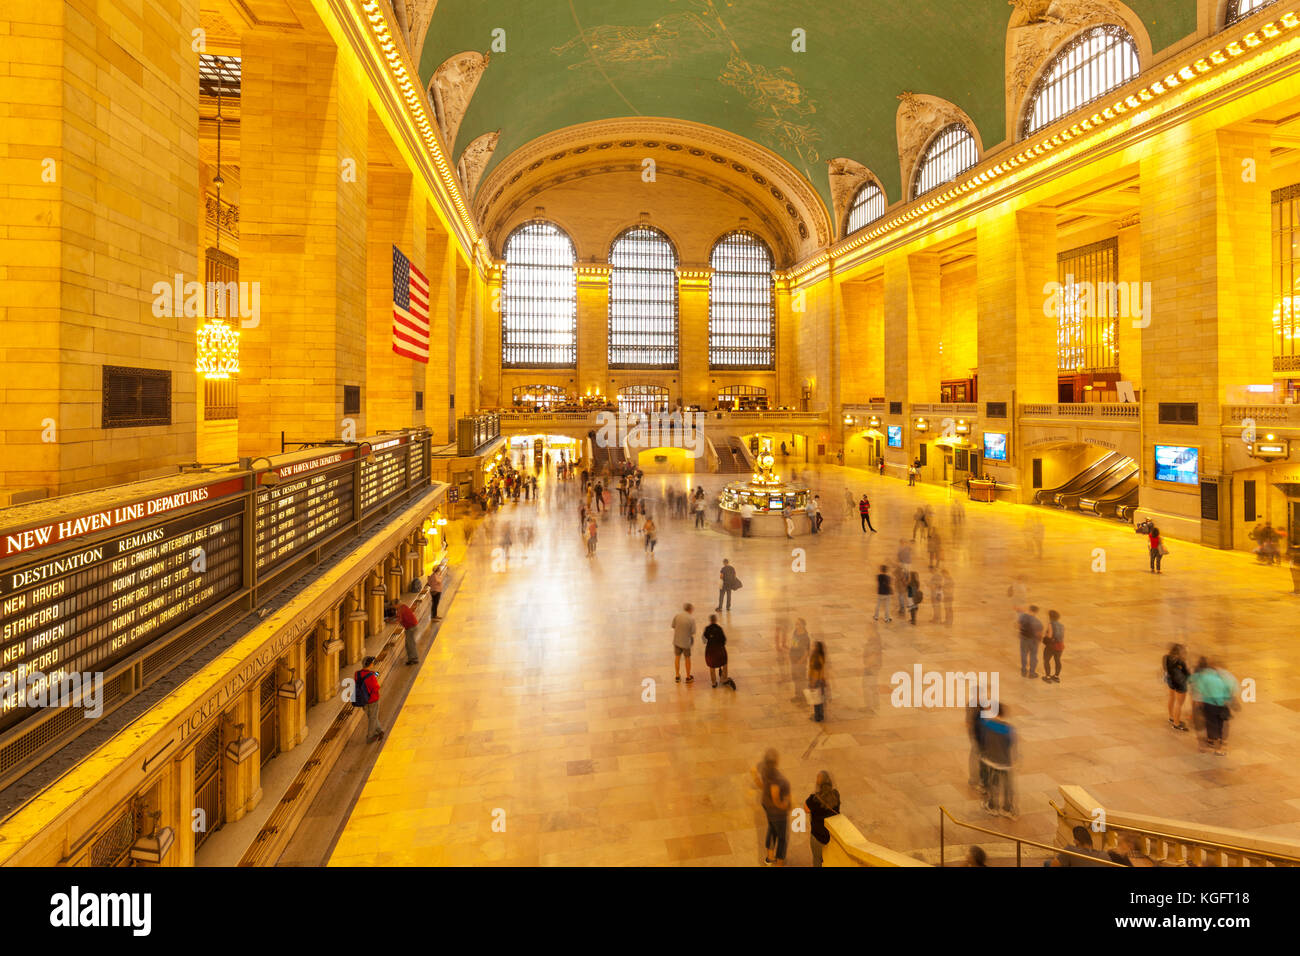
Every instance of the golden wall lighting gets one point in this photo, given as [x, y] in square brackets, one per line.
[921, 425]
[963, 427]
[218, 350]
[874, 421]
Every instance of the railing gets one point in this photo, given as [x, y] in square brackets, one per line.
[1157, 841]
[1288, 415]
[1110, 411]
[508, 417]
[1059, 851]
[964, 409]
[866, 408]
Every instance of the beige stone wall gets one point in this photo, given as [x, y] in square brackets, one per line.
[99, 181]
[958, 324]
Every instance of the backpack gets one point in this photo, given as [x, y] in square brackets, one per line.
[360, 692]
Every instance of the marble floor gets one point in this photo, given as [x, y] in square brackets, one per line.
[545, 727]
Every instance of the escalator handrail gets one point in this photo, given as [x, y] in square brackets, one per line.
[1096, 468]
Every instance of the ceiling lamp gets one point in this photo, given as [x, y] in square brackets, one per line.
[218, 350]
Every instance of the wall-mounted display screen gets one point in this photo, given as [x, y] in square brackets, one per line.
[995, 446]
[1178, 463]
[895, 433]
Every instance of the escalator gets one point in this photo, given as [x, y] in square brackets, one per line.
[1105, 501]
[1097, 486]
[730, 459]
[1077, 484]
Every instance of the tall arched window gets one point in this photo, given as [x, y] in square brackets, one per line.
[952, 151]
[1094, 63]
[642, 300]
[1240, 9]
[539, 299]
[742, 313]
[868, 205]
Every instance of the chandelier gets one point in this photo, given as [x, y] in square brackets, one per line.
[218, 350]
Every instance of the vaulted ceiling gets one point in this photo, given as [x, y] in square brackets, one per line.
[730, 64]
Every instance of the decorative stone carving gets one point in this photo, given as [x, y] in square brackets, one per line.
[919, 117]
[1039, 27]
[847, 177]
[451, 88]
[225, 215]
[475, 159]
[421, 17]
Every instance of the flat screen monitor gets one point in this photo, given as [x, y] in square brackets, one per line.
[1178, 463]
[995, 446]
[895, 433]
[775, 502]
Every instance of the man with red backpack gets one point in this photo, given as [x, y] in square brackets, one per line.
[365, 693]
[406, 617]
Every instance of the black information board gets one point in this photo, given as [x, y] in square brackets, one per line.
[383, 480]
[292, 516]
[88, 607]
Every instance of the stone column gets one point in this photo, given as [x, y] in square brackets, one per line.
[593, 328]
[328, 647]
[291, 696]
[304, 167]
[357, 617]
[241, 766]
[100, 204]
[179, 811]
[376, 593]
[693, 338]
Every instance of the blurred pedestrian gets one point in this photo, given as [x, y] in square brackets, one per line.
[1053, 644]
[884, 588]
[997, 756]
[817, 681]
[683, 638]
[728, 582]
[800, 645]
[715, 653]
[775, 798]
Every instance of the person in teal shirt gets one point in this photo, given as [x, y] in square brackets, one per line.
[1215, 688]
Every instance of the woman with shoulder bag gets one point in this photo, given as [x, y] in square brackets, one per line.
[821, 803]
[816, 692]
[1176, 674]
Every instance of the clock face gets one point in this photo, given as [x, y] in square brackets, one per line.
[765, 460]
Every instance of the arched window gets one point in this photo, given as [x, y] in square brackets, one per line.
[742, 313]
[539, 299]
[952, 151]
[1091, 65]
[538, 397]
[1240, 9]
[642, 300]
[643, 398]
[868, 205]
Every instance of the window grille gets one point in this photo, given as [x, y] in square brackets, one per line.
[952, 151]
[1240, 9]
[1087, 318]
[868, 205]
[136, 397]
[1091, 65]
[643, 398]
[219, 75]
[642, 300]
[1286, 283]
[539, 299]
[742, 313]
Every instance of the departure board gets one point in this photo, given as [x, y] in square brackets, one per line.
[293, 516]
[415, 465]
[386, 477]
[90, 606]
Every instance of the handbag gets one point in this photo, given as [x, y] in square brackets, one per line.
[814, 695]
[1163, 549]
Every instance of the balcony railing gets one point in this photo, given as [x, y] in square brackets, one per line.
[1110, 411]
[1279, 415]
[962, 409]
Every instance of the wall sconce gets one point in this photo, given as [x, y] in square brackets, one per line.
[963, 427]
[848, 419]
[153, 847]
[921, 425]
[874, 421]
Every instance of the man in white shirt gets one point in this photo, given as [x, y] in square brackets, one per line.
[746, 516]
[683, 638]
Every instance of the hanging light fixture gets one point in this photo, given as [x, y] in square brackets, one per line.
[217, 352]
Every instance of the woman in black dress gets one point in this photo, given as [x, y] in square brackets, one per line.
[1176, 678]
[715, 653]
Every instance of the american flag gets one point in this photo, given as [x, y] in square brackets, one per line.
[410, 309]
